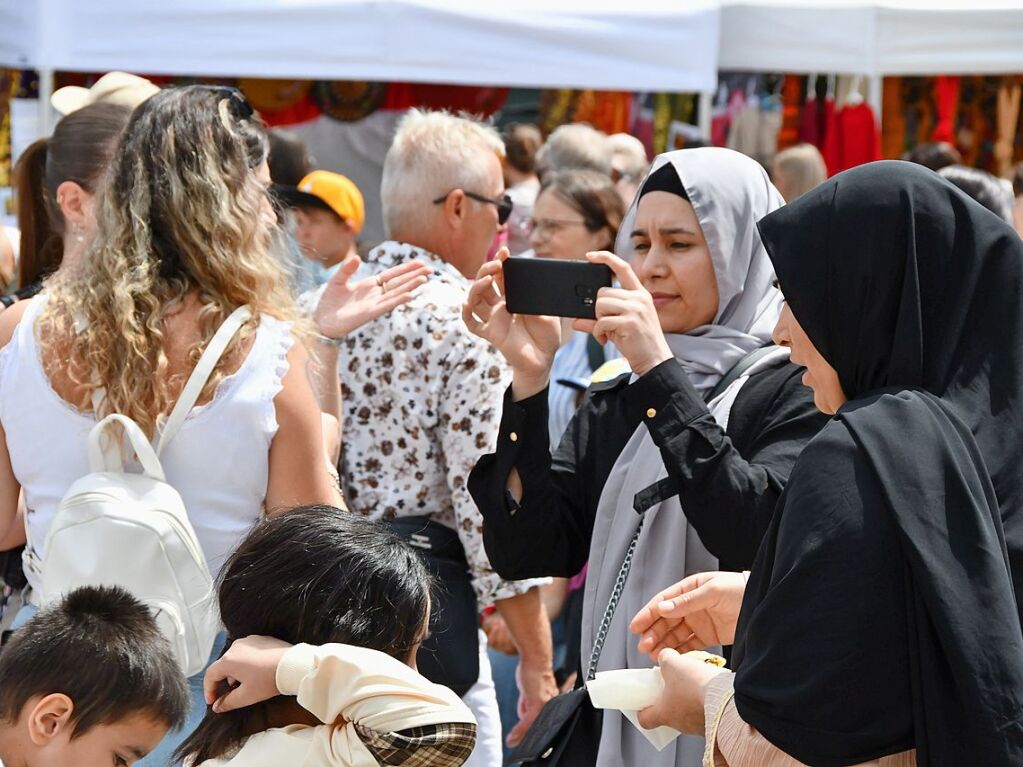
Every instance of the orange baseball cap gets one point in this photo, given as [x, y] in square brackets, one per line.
[332, 191]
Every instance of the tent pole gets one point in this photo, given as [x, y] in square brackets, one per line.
[875, 96]
[45, 91]
[704, 107]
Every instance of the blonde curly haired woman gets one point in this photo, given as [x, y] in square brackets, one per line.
[184, 237]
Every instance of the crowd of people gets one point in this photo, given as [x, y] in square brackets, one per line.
[787, 438]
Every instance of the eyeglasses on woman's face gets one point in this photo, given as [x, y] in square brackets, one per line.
[504, 205]
[548, 227]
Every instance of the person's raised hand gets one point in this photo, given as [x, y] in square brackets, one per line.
[246, 674]
[682, 700]
[626, 317]
[697, 612]
[527, 342]
[346, 305]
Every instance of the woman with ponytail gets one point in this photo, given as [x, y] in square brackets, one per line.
[57, 180]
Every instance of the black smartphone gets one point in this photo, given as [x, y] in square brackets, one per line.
[554, 287]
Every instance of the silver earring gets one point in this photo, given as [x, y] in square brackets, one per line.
[79, 234]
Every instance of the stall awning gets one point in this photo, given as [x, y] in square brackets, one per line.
[637, 45]
[884, 37]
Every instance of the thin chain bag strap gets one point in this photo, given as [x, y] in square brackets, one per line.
[612, 604]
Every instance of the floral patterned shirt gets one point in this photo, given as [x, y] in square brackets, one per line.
[422, 402]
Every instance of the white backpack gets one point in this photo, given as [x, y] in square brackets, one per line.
[131, 530]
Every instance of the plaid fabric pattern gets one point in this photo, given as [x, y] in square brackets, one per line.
[436, 745]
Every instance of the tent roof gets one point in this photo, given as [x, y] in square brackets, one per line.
[637, 45]
[897, 37]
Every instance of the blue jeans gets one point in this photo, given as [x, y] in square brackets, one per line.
[161, 755]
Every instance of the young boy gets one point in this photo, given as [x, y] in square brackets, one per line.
[88, 681]
[329, 212]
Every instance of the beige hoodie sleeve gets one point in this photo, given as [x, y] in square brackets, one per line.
[353, 689]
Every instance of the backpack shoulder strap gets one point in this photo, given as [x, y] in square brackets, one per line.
[739, 369]
[203, 370]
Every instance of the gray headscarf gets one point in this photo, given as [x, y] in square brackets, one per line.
[729, 193]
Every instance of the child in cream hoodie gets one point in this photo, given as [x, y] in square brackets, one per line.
[373, 707]
[347, 604]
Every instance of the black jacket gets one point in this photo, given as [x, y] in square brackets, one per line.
[728, 481]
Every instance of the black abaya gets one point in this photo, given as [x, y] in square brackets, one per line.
[882, 610]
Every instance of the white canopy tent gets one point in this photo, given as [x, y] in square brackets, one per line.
[873, 37]
[640, 45]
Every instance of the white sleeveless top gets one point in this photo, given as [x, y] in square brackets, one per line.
[218, 462]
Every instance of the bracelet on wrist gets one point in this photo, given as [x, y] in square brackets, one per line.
[335, 342]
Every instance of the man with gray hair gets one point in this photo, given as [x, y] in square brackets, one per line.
[422, 402]
[576, 146]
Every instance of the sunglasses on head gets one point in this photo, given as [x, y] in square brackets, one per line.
[238, 105]
[504, 205]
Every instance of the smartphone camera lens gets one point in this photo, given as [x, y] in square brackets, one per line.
[587, 293]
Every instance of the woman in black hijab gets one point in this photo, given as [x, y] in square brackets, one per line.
[882, 613]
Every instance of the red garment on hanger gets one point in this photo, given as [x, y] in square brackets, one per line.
[719, 125]
[814, 121]
[792, 94]
[809, 123]
[946, 101]
[852, 138]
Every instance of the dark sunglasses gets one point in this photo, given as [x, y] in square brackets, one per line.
[504, 205]
[239, 106]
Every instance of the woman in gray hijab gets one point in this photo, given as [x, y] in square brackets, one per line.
[679, 461]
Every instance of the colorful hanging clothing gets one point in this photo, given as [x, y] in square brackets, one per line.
[946, 103]
[893, 120]
[1008, 117]
[744, 134]
[852, 138]
[456, 98]
[791, 97]
[609, 111]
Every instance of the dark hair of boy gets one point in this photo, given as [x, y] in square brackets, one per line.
[315, 575]
[101, 647]
[289, 159]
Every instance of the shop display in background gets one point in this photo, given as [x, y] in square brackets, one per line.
[8, 87]
[754, 111]
[474, 100]
[979, 115]
[609, 111]
[792, 110]
[852, 136]
[662, 121]
[349, 101]
[1008, 120]
[280, 102]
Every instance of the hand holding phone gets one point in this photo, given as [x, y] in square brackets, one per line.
[627, 317]
[527, 342]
